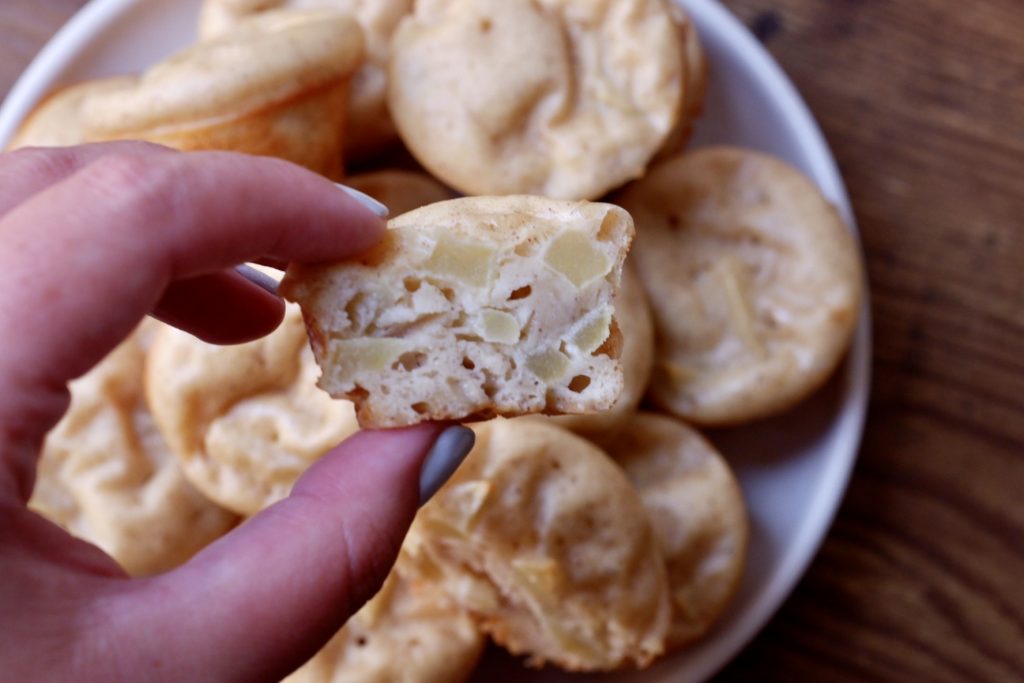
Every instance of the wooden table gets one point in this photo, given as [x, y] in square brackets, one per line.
[922, 577]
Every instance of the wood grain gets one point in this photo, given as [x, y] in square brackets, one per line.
[922, 577]
[25, 25]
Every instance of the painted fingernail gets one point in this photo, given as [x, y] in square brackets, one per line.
[447, 453]
[258, 278]
[366, 200]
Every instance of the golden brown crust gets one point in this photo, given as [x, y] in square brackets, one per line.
[275, 85]
[406, 634]
[695, 71]
[369, 129]
[57, 120]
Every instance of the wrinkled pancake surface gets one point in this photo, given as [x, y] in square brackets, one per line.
[405, 634]
[698, 514]
[543, 539]
[108, 476]
[754, 281]
[245, 420]
[560, 98]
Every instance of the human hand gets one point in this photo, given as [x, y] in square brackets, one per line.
[92, 239]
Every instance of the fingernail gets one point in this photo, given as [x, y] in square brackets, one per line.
[444, 458]
[258, 278]
[366, 200]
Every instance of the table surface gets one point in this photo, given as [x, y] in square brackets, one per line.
[922, 576]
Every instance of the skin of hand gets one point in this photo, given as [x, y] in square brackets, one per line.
[93, 238]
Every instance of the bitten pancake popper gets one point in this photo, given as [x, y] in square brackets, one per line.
[473, 308]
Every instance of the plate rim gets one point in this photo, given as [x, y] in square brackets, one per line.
[851, 420]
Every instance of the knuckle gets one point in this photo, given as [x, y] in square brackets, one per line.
[139, 185]
[39, 162]
[118, 170]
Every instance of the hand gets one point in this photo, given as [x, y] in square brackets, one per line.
[92, 239]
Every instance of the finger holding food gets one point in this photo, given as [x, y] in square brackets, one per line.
[471, 308]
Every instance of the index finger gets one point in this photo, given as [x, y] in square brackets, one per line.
[87, 258]
[26, 171]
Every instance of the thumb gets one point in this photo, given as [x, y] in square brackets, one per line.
[262, 600]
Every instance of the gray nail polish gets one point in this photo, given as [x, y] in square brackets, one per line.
[366, 200]
[445, 456]
[259, 279]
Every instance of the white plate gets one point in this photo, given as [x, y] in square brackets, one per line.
[793, 469]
